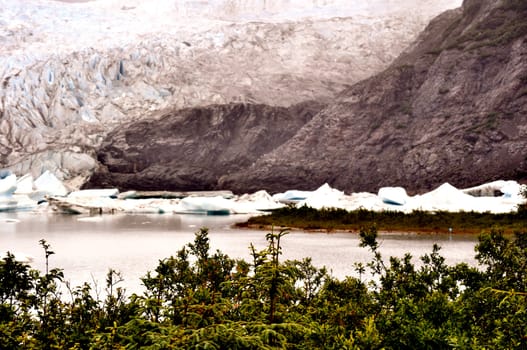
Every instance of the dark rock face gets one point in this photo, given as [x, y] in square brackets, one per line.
[191, 149]
[452, 108]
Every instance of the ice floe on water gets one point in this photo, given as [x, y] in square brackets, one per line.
[495, 197]
[48, 194]
[324, 196]
[97, 193]
[48, 183]
[7, 183]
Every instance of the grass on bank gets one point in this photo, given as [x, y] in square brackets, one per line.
[332, 219]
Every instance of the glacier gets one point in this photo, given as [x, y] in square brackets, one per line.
[73, 71]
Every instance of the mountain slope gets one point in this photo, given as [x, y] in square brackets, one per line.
[72, 72]
[190, 149]
[452, 108]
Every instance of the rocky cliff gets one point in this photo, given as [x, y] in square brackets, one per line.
[72, 72]
[191, 149]
[453, 107]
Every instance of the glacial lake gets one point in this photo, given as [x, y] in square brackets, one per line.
[86, 247]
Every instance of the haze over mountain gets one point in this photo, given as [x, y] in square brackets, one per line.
[453, 107]
[72, 72]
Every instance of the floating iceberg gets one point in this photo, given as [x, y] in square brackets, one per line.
[444, 198]
[24, 194]
[291, 196]
[111, 205]
[393, 195]
[149, 205]
[24, 184]
[95, 193]
[324, 197]
[205, 205]
[25, 187]
[255, 203]
[11, 199]
[509, 189]
[8, 204]
[448, 198]
[7, 183]
[49, 183]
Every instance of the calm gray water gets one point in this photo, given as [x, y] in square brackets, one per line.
[85, 248]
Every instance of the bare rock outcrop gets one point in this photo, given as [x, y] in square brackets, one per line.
[190, 149]
[453, 107]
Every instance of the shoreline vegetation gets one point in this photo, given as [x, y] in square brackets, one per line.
[340, 220]
[200, 299]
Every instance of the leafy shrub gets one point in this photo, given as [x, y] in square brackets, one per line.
[203, 300]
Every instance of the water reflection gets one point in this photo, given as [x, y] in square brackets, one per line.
[86, 247]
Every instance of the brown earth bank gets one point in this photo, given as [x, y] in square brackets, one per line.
[452, 108]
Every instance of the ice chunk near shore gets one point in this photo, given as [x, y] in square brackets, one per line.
[444, 198]
[25, 190]
[448, 198]
[364, 200]
[21, 202]
[49, 183]
[255, 203]
[205, 205]
[8, 204]
[324, 197]
[509, 189]
[9, 201]
[393, 195]
[7, 183]
[291, 196]
[24, 185]
[95, 193]
[512, 189]
[148, 205]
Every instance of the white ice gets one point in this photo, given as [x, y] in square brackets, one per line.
[111, 192]
[494, 197]
[8, 185]
[49, 183]
[393, 195]
[24, 184]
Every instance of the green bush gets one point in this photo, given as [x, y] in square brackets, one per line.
[202, 300]
[416, 221]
